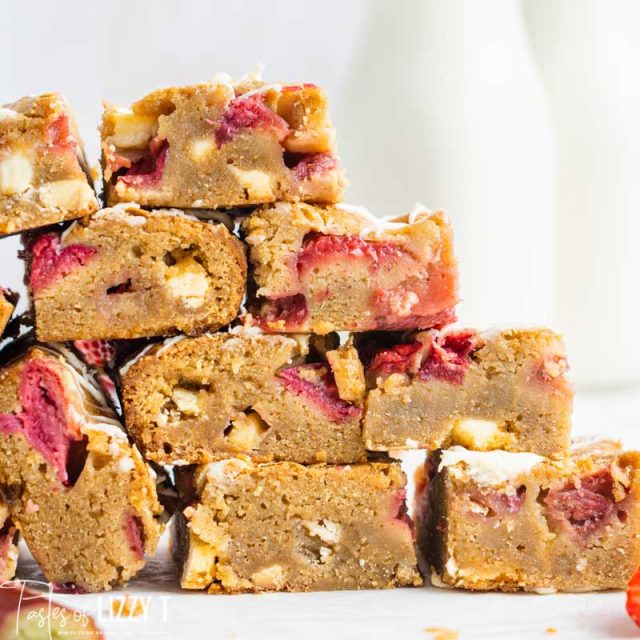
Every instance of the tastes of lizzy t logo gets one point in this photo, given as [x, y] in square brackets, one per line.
[25, 613]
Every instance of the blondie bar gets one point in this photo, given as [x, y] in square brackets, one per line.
[287, 527]
[80, 494]
[43, 171]
[219, 395]
[128, 273]
[339, 268]
[220, 144]
[8, 544]
[495, 520]
[495, 390]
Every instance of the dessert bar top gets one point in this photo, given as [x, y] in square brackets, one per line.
[500, 468]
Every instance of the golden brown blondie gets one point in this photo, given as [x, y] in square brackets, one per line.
[494, 520]
[219, 395]
[129, 273]
[78, 491]
[221, 144]
[287, 527]
[43, 171]
[503, 389]
[339, 268]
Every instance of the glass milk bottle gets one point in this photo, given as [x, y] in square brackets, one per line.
[443, 105]
[589, 54]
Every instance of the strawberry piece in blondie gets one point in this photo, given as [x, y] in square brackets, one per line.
[43, 171]
[339, 269]
[494, 390]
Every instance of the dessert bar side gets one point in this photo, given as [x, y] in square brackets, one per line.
[129, 273]
[339, 268]
[62, 449]
[339, 527]
[44, 177]
[196, 400]
[222, 145]
[517, 521]
[505, 389]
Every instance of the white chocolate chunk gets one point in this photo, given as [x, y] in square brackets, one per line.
[200, 149]
[16, 174]
[327, 530]
[188, 281]
[186, 401]
[479, 435]
[257, 183]
[402, 304]
[247, 431]
[489, 467]
[133, 131]
[66, 194]
[126, 464]
[199, 567]
[269, 578]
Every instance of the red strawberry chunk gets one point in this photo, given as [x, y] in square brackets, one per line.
[134, 534]
[398, 511]
[44, 421]
[50, 263]
[59, 135]
[633, 597]
[249, 113]
[448, 357]
[500, 503]
[315, 164]
[319, 248]
[432, 355]
[401, 358]
[291, 310]
[96, 353]
[585, 509]
[320, 389]
[148, 170]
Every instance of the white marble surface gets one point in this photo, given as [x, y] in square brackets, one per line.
[403, 613]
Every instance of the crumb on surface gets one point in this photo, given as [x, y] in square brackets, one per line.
[440, 633]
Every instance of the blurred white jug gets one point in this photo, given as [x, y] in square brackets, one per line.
[443, 105]
[590, 57]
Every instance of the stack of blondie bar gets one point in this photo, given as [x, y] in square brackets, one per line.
[228, 326]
